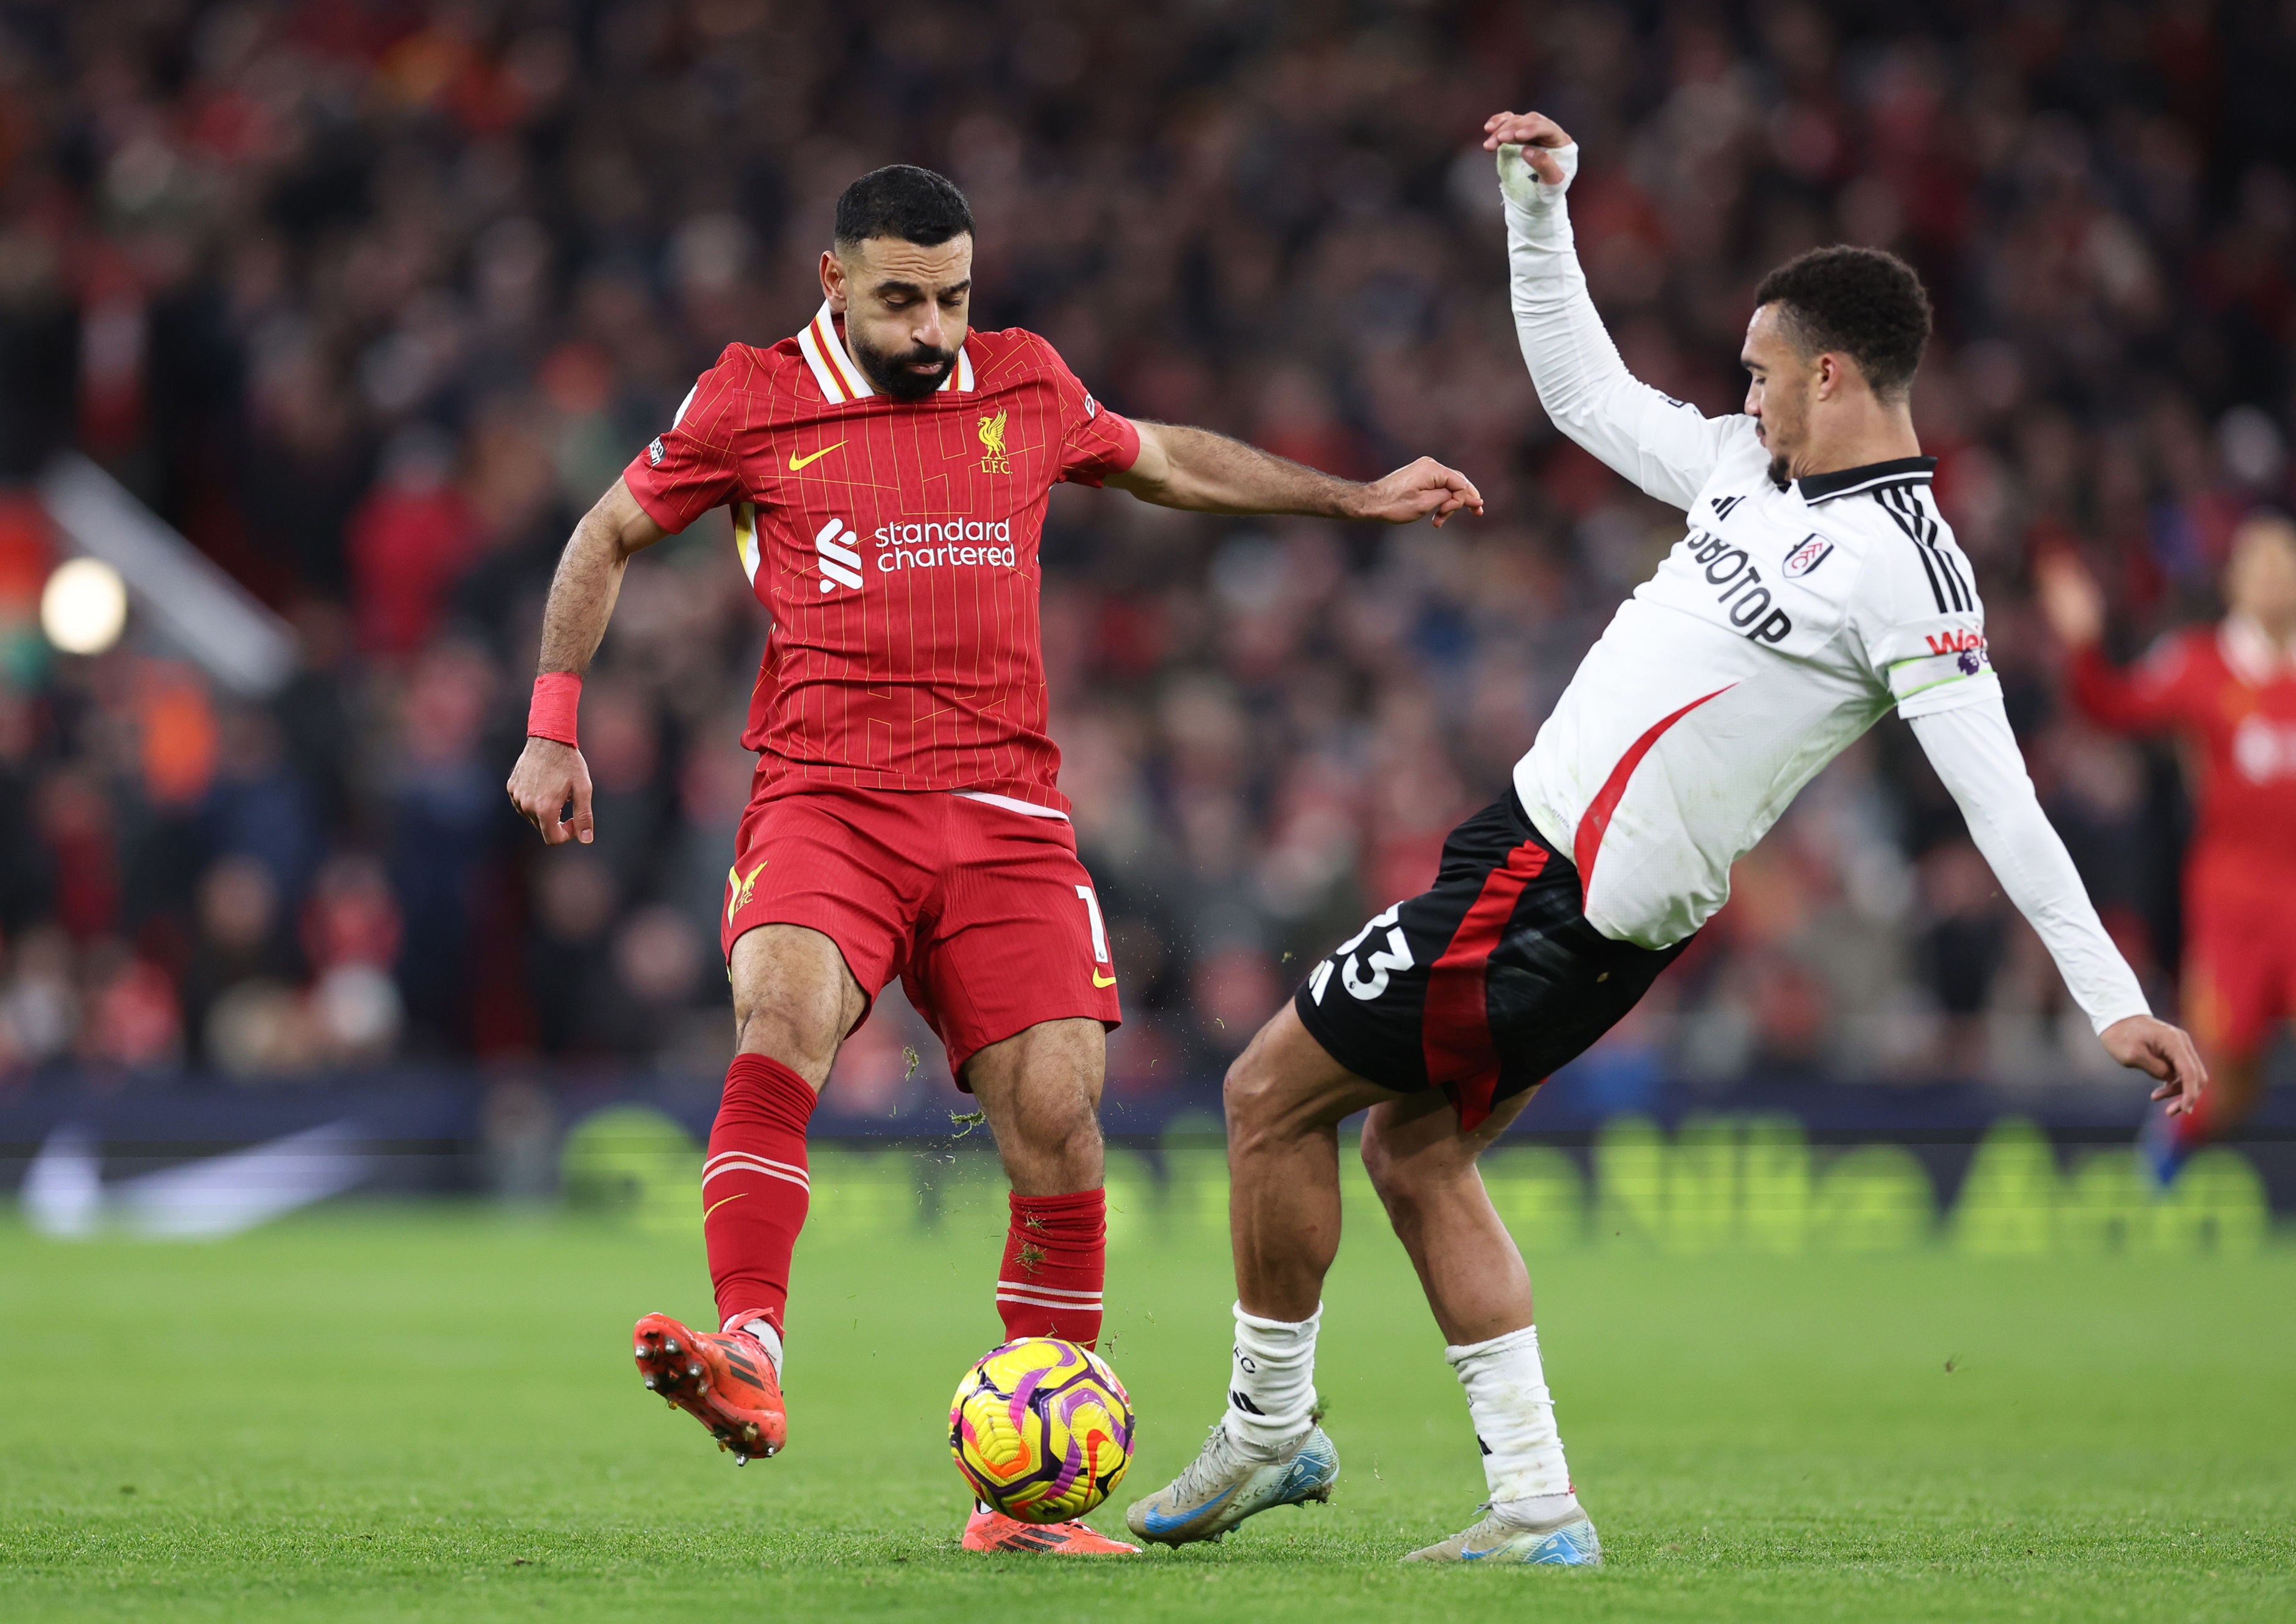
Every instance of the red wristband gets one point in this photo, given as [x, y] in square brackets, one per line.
[557, 696]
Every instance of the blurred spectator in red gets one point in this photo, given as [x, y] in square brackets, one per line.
[409, 542]
[129, 1015]
[2227, 694]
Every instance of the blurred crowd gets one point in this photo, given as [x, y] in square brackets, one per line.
[369, 299]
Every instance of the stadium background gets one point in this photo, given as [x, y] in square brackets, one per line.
[368, 302]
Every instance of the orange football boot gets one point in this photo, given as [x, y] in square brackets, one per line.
[993, 1531]
[722, 1379]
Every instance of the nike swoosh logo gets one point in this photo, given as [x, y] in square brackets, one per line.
[797, 461]
[1099, 979]
[1157, 1523]
[64, 1193]
[1475, 1555]
[713, 1206]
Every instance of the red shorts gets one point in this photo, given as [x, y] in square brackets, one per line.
[2239, 951]
[985, 913]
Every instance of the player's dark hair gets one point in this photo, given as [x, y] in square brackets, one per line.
[1864, 302]
[902, 201]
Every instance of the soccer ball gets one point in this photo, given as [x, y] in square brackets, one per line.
[1041, 1429]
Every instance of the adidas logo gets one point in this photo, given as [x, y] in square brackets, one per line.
[841, 565]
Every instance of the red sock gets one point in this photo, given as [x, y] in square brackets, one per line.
[754, 1188]
[1056, 1263]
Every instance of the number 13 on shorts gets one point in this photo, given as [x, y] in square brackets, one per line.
[1100, 976]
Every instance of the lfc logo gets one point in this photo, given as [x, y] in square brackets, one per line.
[992, 440]
[740, 887]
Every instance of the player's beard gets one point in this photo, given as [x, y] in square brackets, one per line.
[891, 374]
[1781, 473]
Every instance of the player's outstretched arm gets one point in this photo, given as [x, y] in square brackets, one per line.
[1206, 473]
[550, 774]
[1667, 448]
[1976, 756]
[2155, 697]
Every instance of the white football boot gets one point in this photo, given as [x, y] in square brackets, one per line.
[1568, 1541]
[1228, 1481]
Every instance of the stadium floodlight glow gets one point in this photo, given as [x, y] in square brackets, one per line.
[83, 607]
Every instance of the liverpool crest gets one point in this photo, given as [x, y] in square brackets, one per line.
[992, 440]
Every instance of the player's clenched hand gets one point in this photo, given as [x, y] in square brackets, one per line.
[2163, 1052]
[1535, 134]
[1422, 490]
[547, 776]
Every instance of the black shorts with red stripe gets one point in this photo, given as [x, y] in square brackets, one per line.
[1483, 986]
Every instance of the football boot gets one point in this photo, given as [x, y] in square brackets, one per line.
[723, 1378]
[1229, 1481]
[1568, 1541]
[993, 1531]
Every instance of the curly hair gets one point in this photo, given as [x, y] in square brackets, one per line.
[1864, 302]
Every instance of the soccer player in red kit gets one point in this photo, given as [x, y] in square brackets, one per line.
[888, 470]
[2228, 692]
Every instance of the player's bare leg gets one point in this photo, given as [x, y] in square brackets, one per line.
[1423, 1169]
[1040, 1090]
[794, 1000]
[1286, 1097]
[1285, 1100]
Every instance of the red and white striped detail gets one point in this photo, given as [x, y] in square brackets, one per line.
[1046, 1296]
[742, 1162]
[840, 377]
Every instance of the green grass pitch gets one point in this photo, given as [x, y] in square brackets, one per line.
[375, 1412]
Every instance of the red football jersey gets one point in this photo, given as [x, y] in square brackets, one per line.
[2232, 694]
[895, 543]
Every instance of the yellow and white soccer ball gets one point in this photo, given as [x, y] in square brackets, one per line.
[1041, 1429]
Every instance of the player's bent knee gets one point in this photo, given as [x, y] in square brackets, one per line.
[794, 999]
[806, 1048]
[1399, 1181]
[1250, 1097]
[1066, 1132]
[1284, 1087]
[1409, 1170]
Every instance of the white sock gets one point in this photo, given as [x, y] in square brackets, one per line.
[770, 1340]
[1514, 1422]
[1271, 1394]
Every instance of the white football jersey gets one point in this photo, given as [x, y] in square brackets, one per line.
[1781, 627]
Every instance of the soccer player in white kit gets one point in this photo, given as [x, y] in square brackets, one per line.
[1815, 588]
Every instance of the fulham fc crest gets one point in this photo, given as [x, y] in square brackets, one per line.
[1814, 550]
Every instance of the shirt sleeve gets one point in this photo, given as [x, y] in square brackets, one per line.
[1094, 441]
[1666, 446]
[693, 465]
[1976, 756]
[1917, 612]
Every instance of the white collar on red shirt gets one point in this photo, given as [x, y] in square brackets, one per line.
[2248, 650]
[841, 378]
